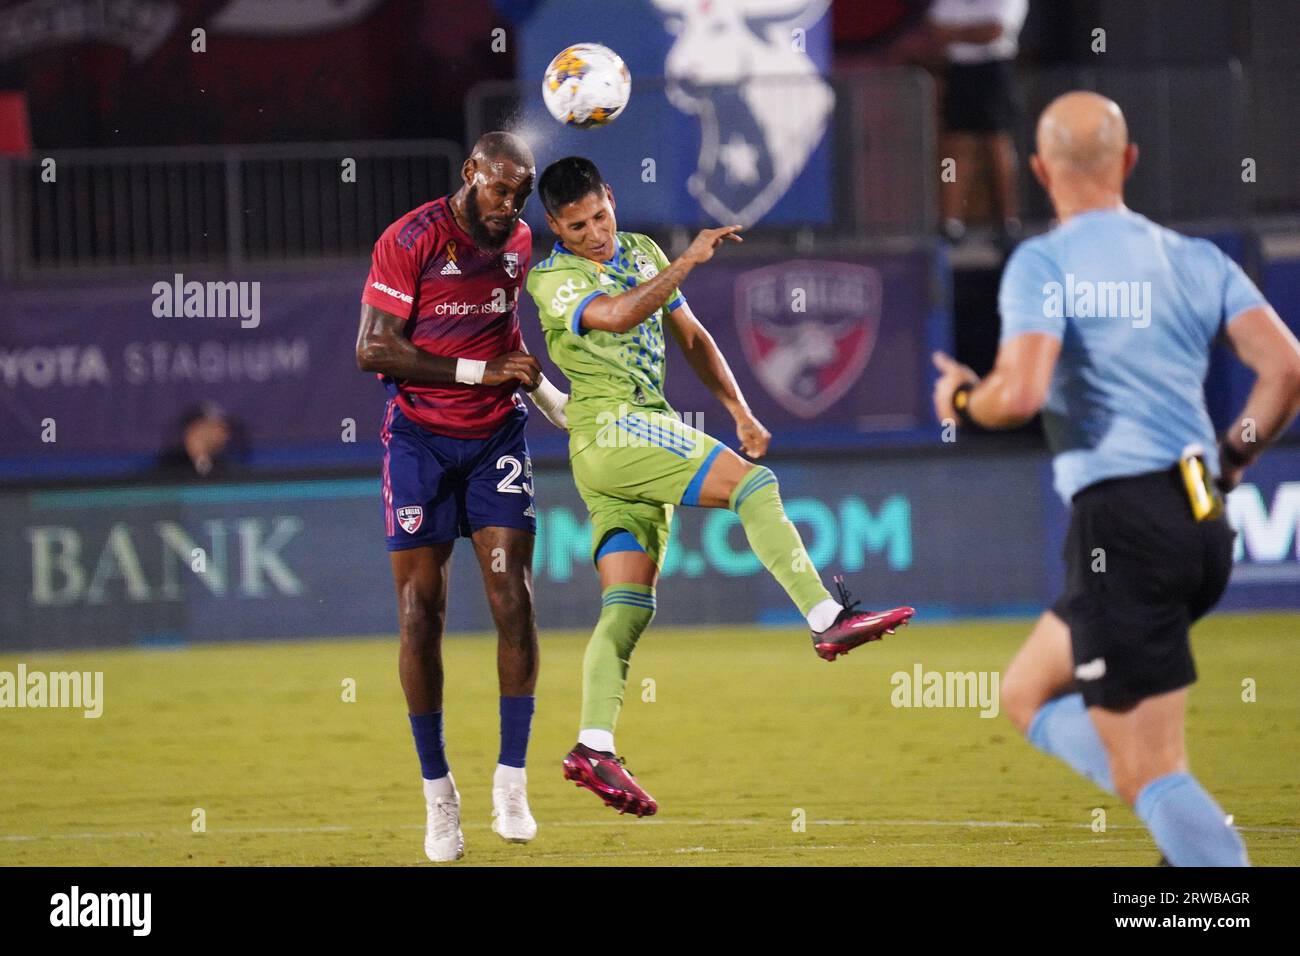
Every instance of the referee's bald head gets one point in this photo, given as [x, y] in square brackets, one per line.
[1083, 152]
[1082, 132]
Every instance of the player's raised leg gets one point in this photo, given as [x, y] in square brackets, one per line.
[421, 576]
[1039, 697]
[627, 579]
[505, 556]
[753, 493]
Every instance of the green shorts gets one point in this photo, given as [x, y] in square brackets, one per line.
[634, 468]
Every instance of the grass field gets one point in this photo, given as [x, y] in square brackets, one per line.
[747, 728]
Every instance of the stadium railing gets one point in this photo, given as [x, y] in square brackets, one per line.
[1193, 127]
[118, 210]
[124, 210]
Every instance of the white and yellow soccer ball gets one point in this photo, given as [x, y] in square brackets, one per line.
[586, 85]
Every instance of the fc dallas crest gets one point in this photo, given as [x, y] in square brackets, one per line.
[808, 329]
[409, 517]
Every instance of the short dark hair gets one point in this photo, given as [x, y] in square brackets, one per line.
[568, 180]
[505, 145]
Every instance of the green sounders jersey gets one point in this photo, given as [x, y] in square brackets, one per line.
[605, 369]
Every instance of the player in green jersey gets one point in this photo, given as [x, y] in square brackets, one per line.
[605, 298]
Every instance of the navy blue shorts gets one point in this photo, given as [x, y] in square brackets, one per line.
[438, 488]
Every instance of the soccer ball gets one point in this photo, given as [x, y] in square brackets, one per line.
[586, 85]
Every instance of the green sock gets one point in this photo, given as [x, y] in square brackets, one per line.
[775, 539]
[626, 610]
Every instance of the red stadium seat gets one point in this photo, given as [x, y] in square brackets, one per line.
[15, 131]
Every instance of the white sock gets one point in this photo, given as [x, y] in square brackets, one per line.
[597, 739]
[442, 787]
[823, 614]
[505, 776]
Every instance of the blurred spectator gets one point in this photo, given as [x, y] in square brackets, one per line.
[206, 445]
[981, 105]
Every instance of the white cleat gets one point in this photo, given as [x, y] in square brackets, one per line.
[511, 817]
[443, 840]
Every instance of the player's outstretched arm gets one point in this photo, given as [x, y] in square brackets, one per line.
[1268, 349]
[382, 347]
[710, 366]
[619, 313]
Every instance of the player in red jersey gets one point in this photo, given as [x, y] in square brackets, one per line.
[439, 325]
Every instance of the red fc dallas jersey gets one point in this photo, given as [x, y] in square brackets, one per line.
[460, 302]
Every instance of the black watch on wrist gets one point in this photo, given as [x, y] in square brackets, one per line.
[961, 402]
[1233, 457]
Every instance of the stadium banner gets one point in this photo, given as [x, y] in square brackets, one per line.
[166, 563]
[160, 564]
[110, 367]
[828, 350]
[730, 117]
[1265, 510]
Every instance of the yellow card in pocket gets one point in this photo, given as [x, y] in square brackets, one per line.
[1202, 494]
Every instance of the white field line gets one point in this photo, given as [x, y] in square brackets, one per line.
[584, 824]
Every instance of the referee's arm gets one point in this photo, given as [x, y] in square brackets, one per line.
[1268, 349]
[1011, 395]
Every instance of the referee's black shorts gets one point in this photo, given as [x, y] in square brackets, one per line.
[981, 98]
[1139, 570]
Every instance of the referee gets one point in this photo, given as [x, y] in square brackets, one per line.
[1107, 325]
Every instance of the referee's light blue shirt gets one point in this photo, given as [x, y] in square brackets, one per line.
[1136, 308]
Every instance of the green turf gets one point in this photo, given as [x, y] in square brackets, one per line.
[747, 728]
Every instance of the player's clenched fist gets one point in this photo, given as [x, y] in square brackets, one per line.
[951, 374]
[701, 249]
[513, 365]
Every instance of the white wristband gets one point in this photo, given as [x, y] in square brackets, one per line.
[469, 371]
[550, 401]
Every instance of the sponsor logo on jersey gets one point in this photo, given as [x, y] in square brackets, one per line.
[500, 303]
[450, 268]
[808, 329]
[567, 294]
[389, 290]
[410, 517]
[510, 262]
